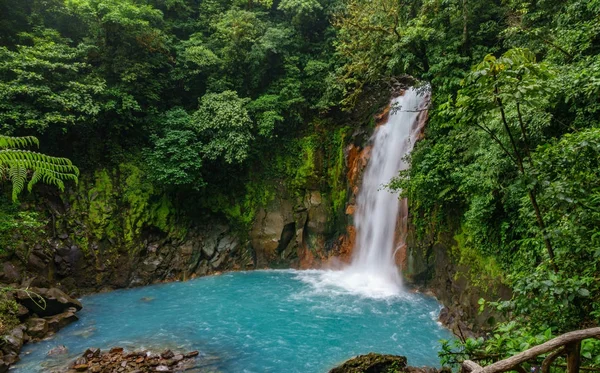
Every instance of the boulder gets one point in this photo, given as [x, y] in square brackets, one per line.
[92, 353]
[372, 363]
[58, 350]
[61, 320]
[167, 354]
[14, 340]
[36, 262]
[37, 328]
[22, 312]
[10, 274]
[55, 301]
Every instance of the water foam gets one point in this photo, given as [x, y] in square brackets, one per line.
[349, 281]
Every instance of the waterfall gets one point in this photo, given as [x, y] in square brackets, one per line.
[380, 216]
[378, 209]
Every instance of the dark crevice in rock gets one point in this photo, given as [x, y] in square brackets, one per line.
[287, 235]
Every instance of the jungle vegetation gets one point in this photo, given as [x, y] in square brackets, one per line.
[212, 95]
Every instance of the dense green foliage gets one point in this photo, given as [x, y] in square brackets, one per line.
[202, 95]
[213, 100]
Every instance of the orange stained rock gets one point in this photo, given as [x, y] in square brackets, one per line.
[346, 243]
[357, 161]
[350, 209]
[382, 117]
[307, 259]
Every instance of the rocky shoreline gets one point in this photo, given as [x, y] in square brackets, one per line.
[118, 360]
[41, 312]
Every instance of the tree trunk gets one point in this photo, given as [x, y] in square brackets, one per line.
[542, 225]
[465, 35]
[532, 197]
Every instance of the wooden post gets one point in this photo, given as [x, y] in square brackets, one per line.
[573, 357]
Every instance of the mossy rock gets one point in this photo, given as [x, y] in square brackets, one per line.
[372, 363]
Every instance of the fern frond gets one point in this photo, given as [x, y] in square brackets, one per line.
[15, 165]
[18, 142]
[17, 173]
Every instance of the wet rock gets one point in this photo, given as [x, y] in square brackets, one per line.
[58, 350]
[149, 266]
[315, 198]
[10, 358]
[61, 320]
[54, 301]
[35, 263]
[81, 361]
[217, 261]
[372, 363]
[92, 352]
[116, 350]
[37, 328]
[14, 340]
[10, 274]
[22, 311]
[187, 248]
[116, 360]
[167, 354]
[81, 367]
[191, 354]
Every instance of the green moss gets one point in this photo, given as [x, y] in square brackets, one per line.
[306, 171]
[242, 212]
[336, 170]
[118, 205]
[163, 213]
[101, 206]
[136, 196]
[482, 270]
[83, 242]
[8, 312]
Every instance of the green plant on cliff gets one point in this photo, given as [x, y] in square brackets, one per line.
[337, 168]
[24, 167]
[8, 312]
[20, 229]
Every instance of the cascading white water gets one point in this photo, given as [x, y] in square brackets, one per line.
[373, 271]
[377, 208]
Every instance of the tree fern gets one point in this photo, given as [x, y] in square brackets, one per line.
[19, 165]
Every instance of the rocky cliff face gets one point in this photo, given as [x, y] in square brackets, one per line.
[437, 263]
[116, 231]
[291, 230]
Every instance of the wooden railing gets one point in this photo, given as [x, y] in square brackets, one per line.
[568, 344]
